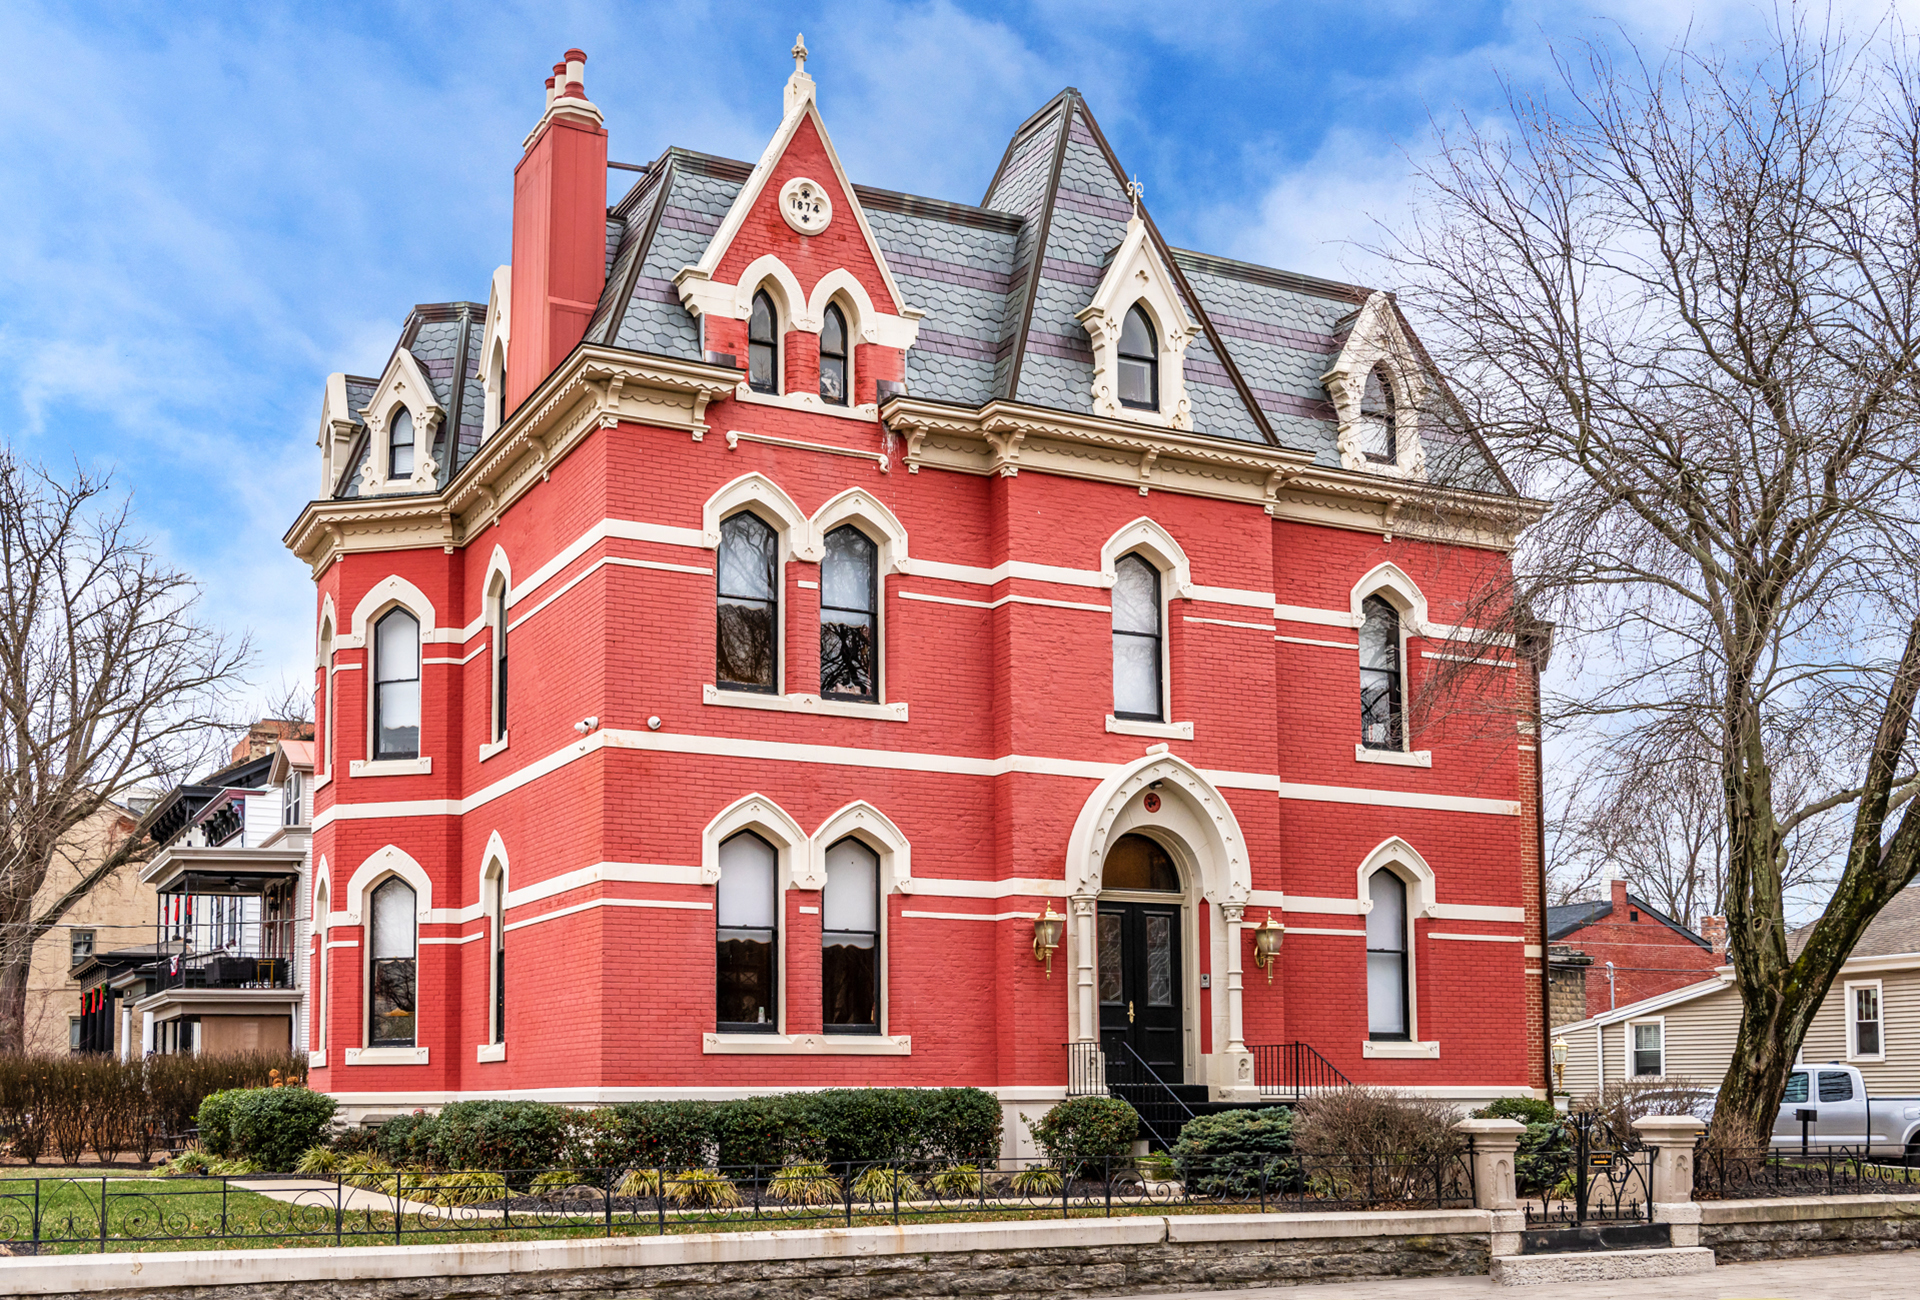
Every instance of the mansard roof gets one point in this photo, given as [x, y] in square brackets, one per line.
[999, 284]
[444, 339]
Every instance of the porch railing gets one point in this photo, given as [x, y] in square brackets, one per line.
[1294, 1070]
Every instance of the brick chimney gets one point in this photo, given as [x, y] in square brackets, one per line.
[1714, 930]
[559, 231]
[1619, 899]
[263, 735]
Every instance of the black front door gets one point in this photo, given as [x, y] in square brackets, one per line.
[1138, 969]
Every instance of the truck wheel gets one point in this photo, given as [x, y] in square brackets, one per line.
[1912, 1159]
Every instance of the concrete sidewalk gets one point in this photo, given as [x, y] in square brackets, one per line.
[1891, 1276]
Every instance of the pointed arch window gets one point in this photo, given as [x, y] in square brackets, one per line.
[396, 685]
[497, 939]
[746, 910]
[1139, 362]
[499, 619]
[748, 606]
[317, 1017]
[392, 992]
[763, 345]
[400, 445]
[1136, 640]
[850, 940]
[849, 602]
[1379, 440]
[1382, 716]
[833, 356]
[1388, 1012]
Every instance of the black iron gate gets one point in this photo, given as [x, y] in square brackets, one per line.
[1588, 1174]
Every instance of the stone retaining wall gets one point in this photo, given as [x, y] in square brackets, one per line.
[1799, 1226]
[1088, 1257]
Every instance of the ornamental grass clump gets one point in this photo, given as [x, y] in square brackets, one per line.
[1037, 1180]
[956, 1181]
[639, 1183]
[881, 1183]
[703, 1189]
[806, 1183]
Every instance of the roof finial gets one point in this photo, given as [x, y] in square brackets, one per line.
[799, 86]
[1134, 190]
[799, 52]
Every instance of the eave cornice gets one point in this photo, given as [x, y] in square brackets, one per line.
[1006, 437]
[596, 387]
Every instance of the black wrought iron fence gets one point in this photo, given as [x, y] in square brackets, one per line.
[1794, 1171]
[1294, 1070]
[73, 1215]
[1591, 1175]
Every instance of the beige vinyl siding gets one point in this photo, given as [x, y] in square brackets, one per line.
[1899, 1074]
[1700, 1039]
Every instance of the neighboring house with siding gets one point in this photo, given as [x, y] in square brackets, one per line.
[1637, 950]
[1870, 1019]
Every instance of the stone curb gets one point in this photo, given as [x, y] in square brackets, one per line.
[1600, 1265]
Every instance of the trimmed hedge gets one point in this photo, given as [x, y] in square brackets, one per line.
[1085, 1132]
[500, 1135]
[269, 1126]
[1229, 1153]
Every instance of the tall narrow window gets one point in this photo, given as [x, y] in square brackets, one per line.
[500, 661]
[317, 1017]
[396, 690]
[391, 1006]
[1387, 958]
[849, 599]
[400, 445]
[323, 753]
[1139, 363]
[850, 940]
[1866, 1019]
[749, 607]
[1379, 440]
[747, 912]
[292, 802]
[833, 356]
[1381, 722]
[763, 346]
[497, 919]
[1136, 639]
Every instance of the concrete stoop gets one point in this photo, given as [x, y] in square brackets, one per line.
[1600, 1265]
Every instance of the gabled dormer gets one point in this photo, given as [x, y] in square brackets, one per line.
[1140, 331]
[1378, 391]
[401, 419]
[793, 284]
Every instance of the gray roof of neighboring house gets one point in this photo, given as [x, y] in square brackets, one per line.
[1895, 930]
[1000, 285]
[1568, 918]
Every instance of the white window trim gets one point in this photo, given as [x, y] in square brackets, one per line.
[1161, 730]
[793, 869]
[493, 910]
[488, 748]
[1397, 856]
[1136, 276]
[1397, 1051]
[862, 821]
[1172, 582]
[422, 766]
[1626, 1065]
[321, 969]
[1394, 587]
[494, 606]
[385, 1055]
[485, 1052]
[785, 1044]
[1880, 999]
[802, 703]
[1397, 757]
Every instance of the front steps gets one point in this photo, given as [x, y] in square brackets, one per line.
[1600, 1265]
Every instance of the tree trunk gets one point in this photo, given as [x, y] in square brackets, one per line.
[16, 963]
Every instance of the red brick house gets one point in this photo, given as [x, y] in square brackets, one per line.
[1637, 950]
[882, 576]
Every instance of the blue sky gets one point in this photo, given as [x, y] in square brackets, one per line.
[205, 209]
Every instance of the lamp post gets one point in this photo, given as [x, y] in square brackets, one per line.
[1266, 944]
[1047, 929]
[1560, 1074]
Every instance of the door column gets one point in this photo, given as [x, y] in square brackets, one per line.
[1236, 1035]
[1082, 907]
[1231, 1075]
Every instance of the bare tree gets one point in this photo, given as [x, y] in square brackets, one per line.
[290, 701]
[1681, 298]
[107, 682]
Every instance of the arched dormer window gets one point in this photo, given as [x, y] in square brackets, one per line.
[396, 686]
[746, 912]
[747, 606]
[496, 389]
[763, 345]
[1378, 439]
[1382, 721]
[1388, 1002]
[392, 990]
[1136, 640]
[400, 445]
[849, 602]
[833, 356]
[1139, 363]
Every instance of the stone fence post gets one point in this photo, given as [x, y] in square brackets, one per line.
[1495, 1142]
[1672, 1139]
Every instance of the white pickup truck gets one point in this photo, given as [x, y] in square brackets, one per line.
[1843, 1115]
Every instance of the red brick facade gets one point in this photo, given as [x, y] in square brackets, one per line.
[986, 778]
[1637, 951]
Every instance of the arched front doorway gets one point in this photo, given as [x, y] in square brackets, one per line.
[1138, 962]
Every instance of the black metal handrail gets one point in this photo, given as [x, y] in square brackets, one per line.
[1294, 1070]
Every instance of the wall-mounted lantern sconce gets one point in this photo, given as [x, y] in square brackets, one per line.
[1266, 944]
[1559, 1065]
[1047, 930]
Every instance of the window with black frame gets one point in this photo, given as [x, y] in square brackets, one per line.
[1387, 1009]
[391, 1005]
[500, 661]
[400, 445]
[396, 689]
[1136, 640]
[833, 356]
[1382, 724]
[849, 604]
[850, 940]
[1379, 432]
[746, 911]
[748, 607]
[763, 345]
[1139, 362]
[497, 907]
